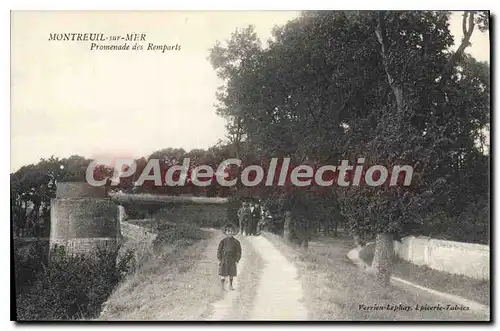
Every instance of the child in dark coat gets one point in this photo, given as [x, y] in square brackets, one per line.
[228, 254]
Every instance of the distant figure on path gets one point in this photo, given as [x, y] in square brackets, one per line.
[244, 217]
[256, 214]
[265, 219]
[228, 254]
[251, 218]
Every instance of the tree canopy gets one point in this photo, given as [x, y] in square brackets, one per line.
[382, 86]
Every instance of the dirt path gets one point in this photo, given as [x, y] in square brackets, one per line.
[279, 295]
[267, 288]
[225, 309]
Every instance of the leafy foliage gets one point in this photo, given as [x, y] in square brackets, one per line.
[33, 186]
[70, 287]
[378, 85]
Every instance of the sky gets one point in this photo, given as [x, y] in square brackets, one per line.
[67, 99]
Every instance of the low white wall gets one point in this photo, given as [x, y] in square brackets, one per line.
[471, 260]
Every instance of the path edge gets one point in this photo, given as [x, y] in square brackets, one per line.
[353, 255]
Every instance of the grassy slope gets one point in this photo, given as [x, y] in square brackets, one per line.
[167, 286]
[466, 287]
[335, 289]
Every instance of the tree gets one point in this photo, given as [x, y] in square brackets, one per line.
[379, 85]
[400, 205]
[33, 186]
[228, 61]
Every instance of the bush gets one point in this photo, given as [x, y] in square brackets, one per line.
[28, 262]
[181, 232]
[70, 287]
[200, 215]
[233, 205]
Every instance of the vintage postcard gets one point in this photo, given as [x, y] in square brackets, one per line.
[250, 165]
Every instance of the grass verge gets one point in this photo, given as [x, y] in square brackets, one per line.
[465, 287]
[335, 289]
[167, 286]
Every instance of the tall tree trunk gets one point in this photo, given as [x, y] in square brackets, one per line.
[37, 221]
[237, 138]
[383, 258]
[287, 227]
[46, 221]
[305, 244]
[357, 241]
[384, 51]
[303, 232]
[468, 25]
[22, 219]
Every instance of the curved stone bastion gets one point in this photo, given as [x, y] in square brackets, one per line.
[83, 219]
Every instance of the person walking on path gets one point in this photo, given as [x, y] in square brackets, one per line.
[244, 217]
[228, 254]
[254, 219]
